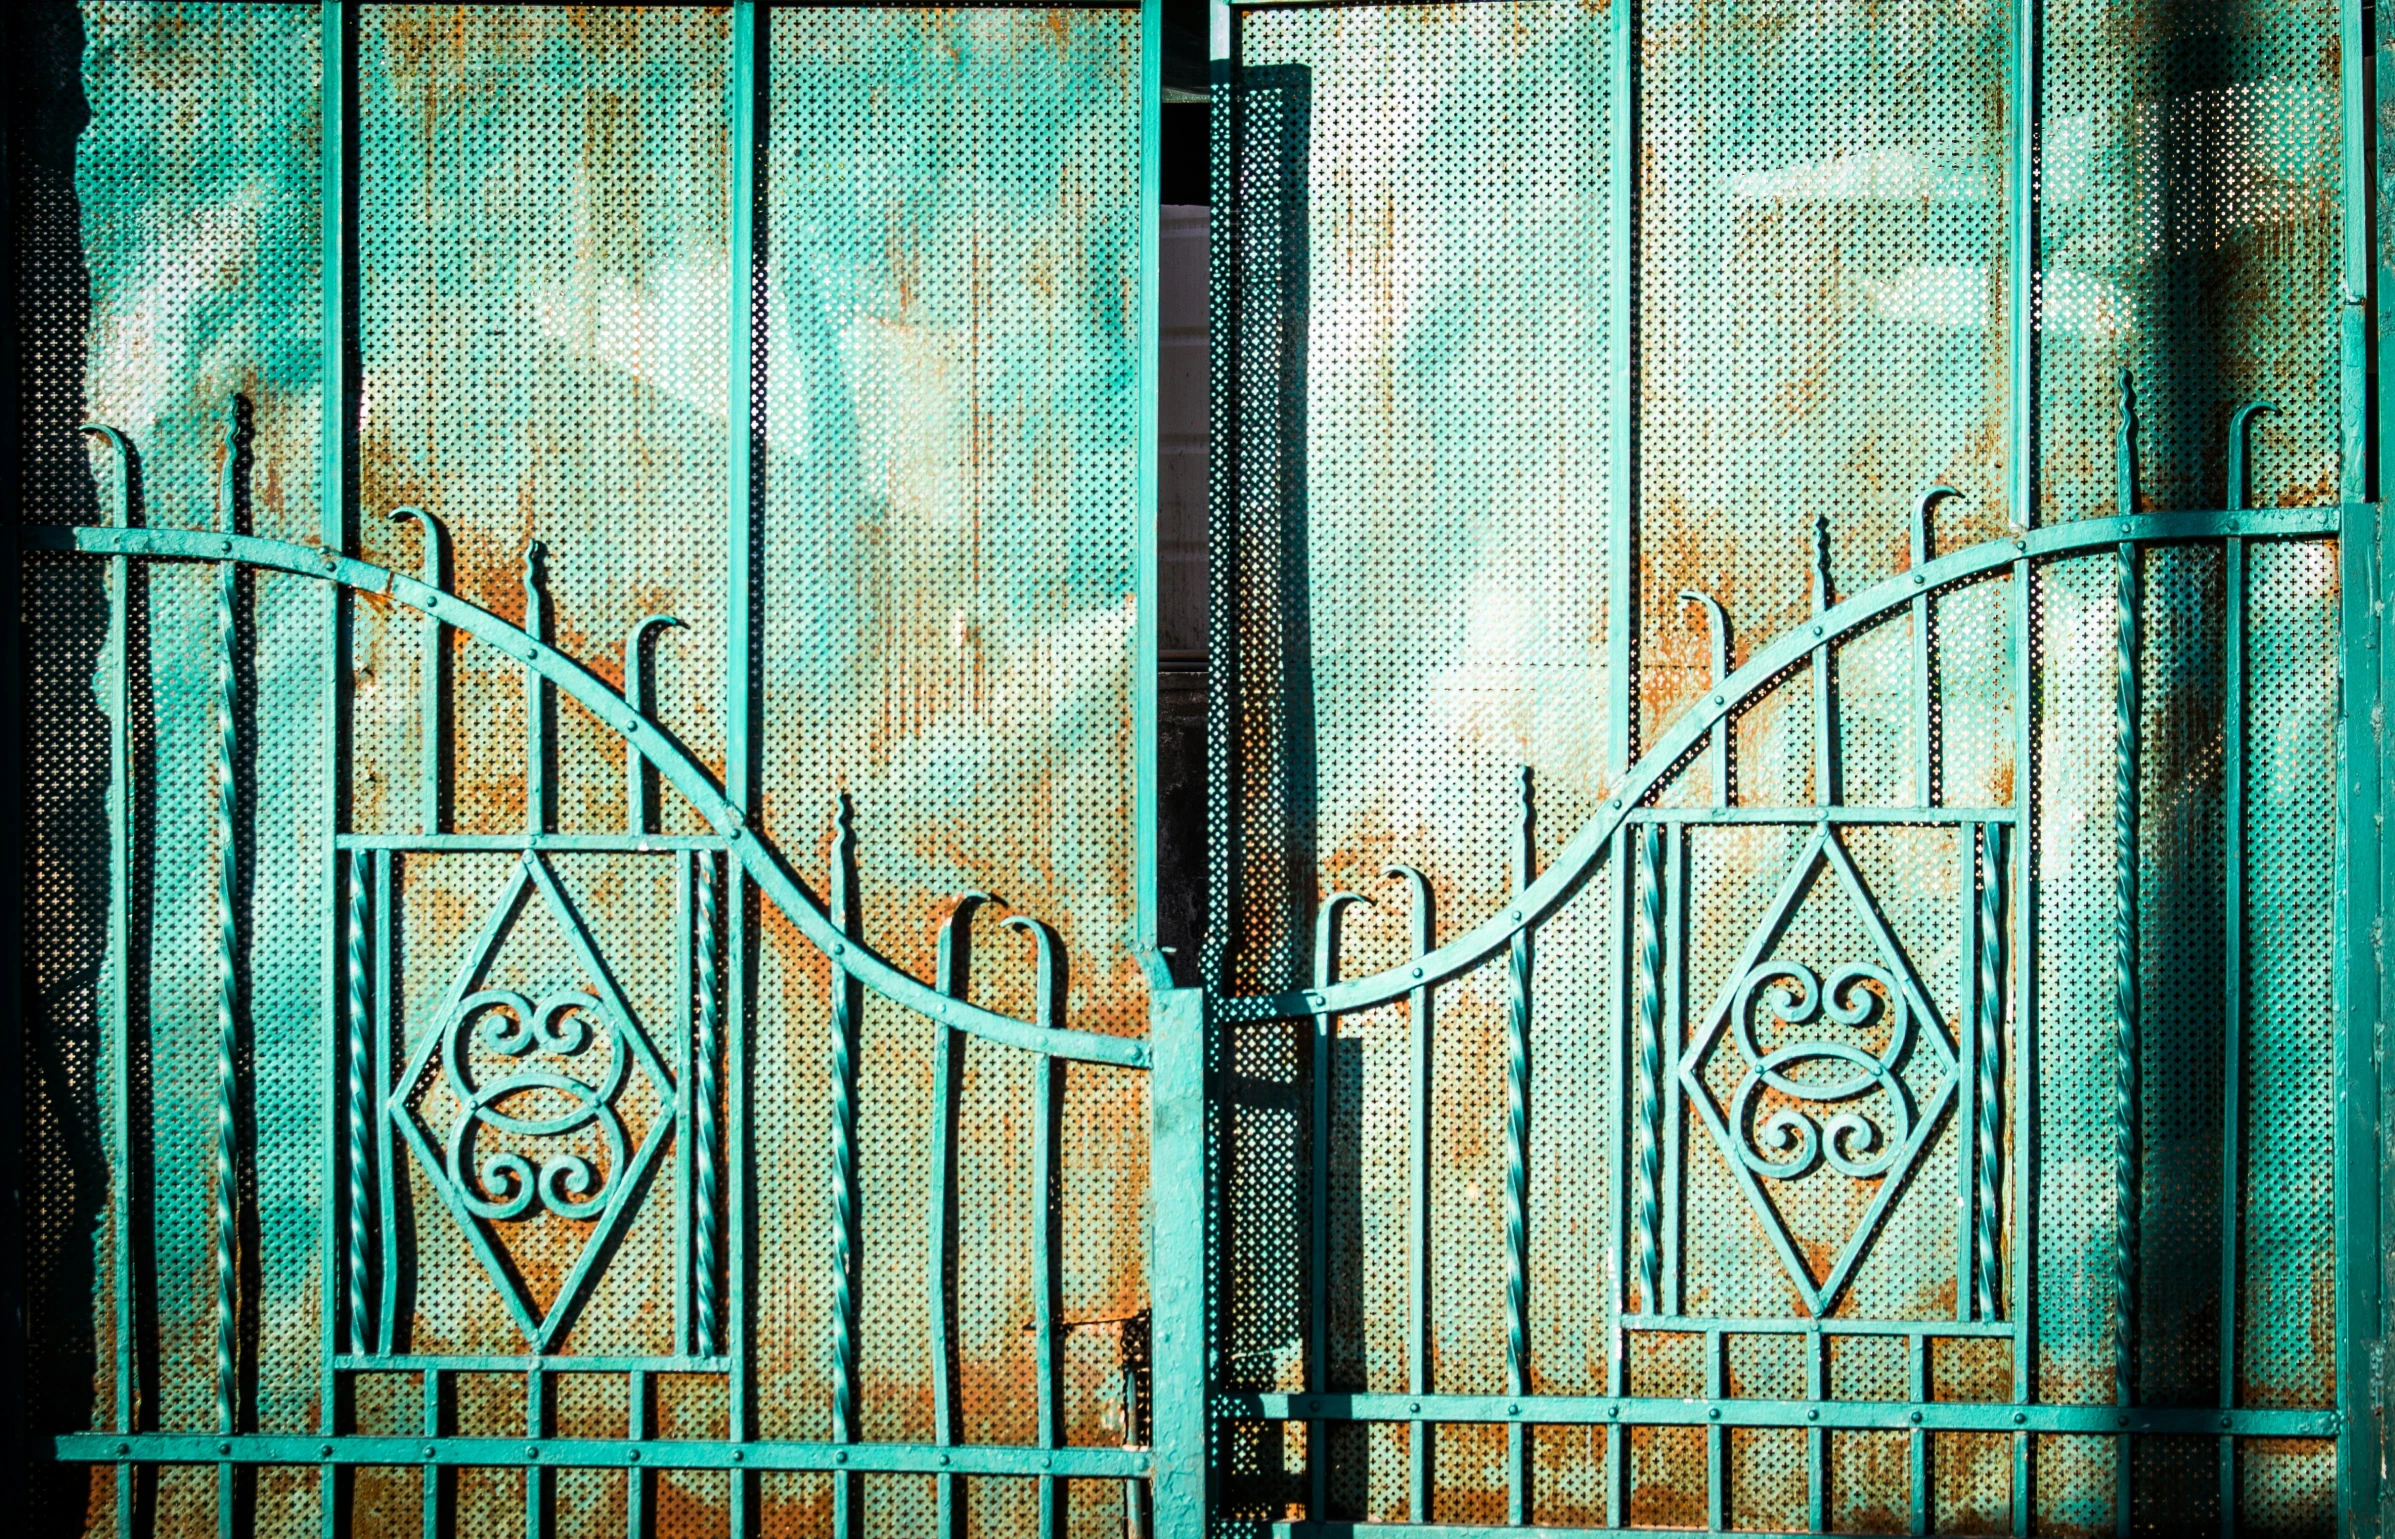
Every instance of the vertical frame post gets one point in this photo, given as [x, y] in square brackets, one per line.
[749, 76]
[2365, 1178]
[2023, 113]
[1179, 1026]
[1146, 940]
[2232, 967]
[2361, 785]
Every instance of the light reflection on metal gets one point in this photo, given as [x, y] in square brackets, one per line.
[1419, 1092]
[637, 811]
[432, 684]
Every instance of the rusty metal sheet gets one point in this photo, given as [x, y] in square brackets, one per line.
[1741, 914]
[477, 1128]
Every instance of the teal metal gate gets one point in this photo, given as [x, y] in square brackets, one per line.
[574, 562]
[1778, 905]
[1794, 940]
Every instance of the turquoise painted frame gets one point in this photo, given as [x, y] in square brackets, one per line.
[2364, 1151]
[756, 873]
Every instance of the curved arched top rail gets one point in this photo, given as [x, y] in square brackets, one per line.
[762, 862]
[1554, 887]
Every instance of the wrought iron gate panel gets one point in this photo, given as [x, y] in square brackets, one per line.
[586, 1111]
[1778, 957]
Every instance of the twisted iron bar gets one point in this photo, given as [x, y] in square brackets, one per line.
[1649, 1164]
[1517, 1169]
[2124, 924]
[1517, 1119]
[1990, 1021]
[843, 1075]
[704, 1092]
[228, 940]
[360, 1118]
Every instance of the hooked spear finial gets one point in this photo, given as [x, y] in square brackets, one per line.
[1821, 562]
[2125, 473]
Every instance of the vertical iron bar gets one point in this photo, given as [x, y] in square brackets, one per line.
[2023, 114]
[1046, 1314]
[1825, 703]
[2124, 960]
[1647, 1186]
[1135, 1517]
[1925, 759]
[361, 1340]
[536, 1425]
[841, 1072]
[432, 732]
[1673, 1238]
[1420, 1028]
[1917, 1372]
[2232, 965]
[1047, 1311]
[431, 1485]
[1989, 998]
[706, 1092]
[1318, 1201]
[1717, 1436]
[537, 791]
[685, 1094]
[2124, 1008]
[636, 1429]
[384, 989]
[1966, 1234]
[1717, 645]
[228, 978]
[955, 969]
[637, 808]
[1817, 1463]
[119, 985]
[1517, 1165]
[1622, 882]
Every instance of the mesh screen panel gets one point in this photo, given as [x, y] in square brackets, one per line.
[1415, 381]
[945, 316]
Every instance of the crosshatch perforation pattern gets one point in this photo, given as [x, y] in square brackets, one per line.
[1909, 1108]
[486, 1107]
[1775, 1029]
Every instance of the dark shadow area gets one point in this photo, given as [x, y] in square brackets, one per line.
[1261, 754]
[1261, 749]
[1184, 165]
[59, 855]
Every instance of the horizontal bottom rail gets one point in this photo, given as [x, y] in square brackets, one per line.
[1847, 1415]
[1085, 1463]
[1307, 1528]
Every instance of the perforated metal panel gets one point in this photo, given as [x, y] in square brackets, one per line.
[1856, 1117]
[577, 1110]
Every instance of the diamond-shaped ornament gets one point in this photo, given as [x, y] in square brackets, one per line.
[1805, 1077]
[512, 1104]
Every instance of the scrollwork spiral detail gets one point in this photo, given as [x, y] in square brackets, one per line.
[504, 1184]
[1789, 1143]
